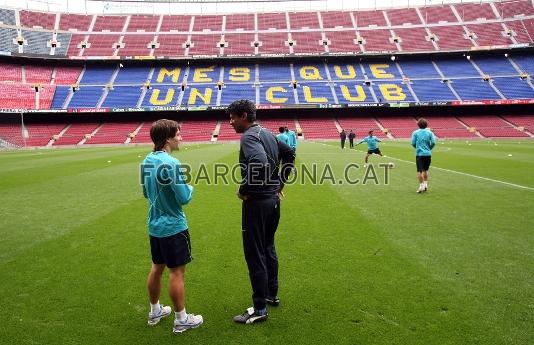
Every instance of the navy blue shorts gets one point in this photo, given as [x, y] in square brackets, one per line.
[375, 151]
[422, 163]
[173, 251]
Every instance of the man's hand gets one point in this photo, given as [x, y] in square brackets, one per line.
[241, 196]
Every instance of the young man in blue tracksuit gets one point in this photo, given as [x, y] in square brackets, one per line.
[292, 139]
[167, 193]
[372, 145]
[265, 166]
[282, 136]
[423, 140]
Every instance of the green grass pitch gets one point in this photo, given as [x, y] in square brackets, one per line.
[359, 264]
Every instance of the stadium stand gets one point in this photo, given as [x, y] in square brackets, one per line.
[12, 133]
[521, 121]
[42, 20]
[492, 126]
[226, 132]
[7, 17]
[41, 134]
[113, 133]
[361, 126]
[449, 127]
[75, 22]
[239, 22]
[101, 45]
[510, 9]
[399, 126]
[453, 27]
[336, 19]
[351, 81]
[439, 79]
[136, 45]
[143, 135]
[76, 133]
[319, 128]
[197, 130]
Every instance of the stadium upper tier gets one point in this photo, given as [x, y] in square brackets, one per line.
[431, 28]
[496, 78]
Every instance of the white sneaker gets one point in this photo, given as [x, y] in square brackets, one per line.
[191, 321]
[421, 190]
[153, 318]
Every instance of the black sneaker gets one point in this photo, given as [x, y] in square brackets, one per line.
[274, 301]
[250, 316]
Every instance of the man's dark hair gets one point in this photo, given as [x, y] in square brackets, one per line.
[281, 129]
[242, 106]
[371, 131]
[422, 123]
[161, 131]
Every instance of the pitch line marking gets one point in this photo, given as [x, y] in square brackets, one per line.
[457, 172]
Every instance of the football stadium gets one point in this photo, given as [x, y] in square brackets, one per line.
[361, 255]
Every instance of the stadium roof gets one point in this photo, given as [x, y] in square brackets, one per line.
[211, 6]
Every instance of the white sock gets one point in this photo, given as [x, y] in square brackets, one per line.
[421, 185]
[154, 308]
[180, 315]
[425, 184]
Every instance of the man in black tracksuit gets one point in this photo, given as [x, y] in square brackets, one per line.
[265, 165]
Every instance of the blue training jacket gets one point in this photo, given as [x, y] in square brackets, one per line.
[423, 140]
[372, 142]
[167, 192]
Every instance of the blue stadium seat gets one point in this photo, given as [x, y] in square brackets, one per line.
[315, 93]
[495, 66]
[513, 87]
[198, 95]
[132, 75]
[282, 92]
[385, 70]
[60, 96]
[419, 69]
[345, 71]
[458, 67]
[122, 97]
[86, 97]
[278, 73]
[309, 71]
[232, 92]
[162, 95]
[239, 73]
[526, 62]
[428, 90]
[398, 94]
[474, 89]
[97, 75]
[352, 92]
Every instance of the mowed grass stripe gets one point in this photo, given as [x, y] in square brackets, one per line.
[449, 230]
[327, 269]
[358, 264]
[481, 158]
[66, 197]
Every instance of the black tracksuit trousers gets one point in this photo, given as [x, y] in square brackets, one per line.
[260, 217]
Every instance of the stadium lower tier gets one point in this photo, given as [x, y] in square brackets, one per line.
[495, 78]
[62, 134]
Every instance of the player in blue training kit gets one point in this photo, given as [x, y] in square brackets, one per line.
[423, 140]
[292, 139]
[372, 146]
[282, 136]
[170, 245]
